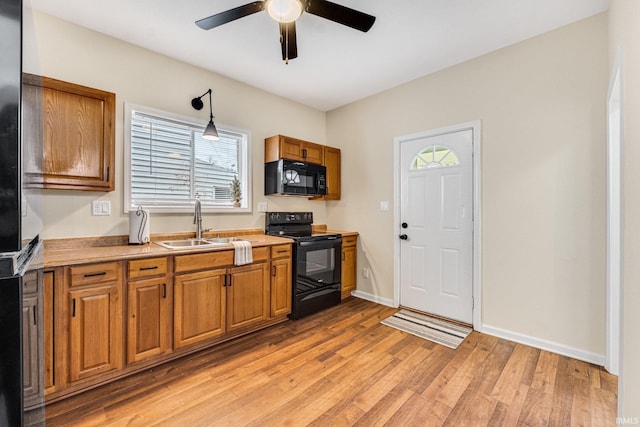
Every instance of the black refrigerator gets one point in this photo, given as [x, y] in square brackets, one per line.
[21, 355]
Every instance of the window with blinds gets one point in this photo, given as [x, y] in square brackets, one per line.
[170, 164]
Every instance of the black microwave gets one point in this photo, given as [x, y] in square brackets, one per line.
[291, 178]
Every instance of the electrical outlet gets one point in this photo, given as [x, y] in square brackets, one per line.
[101, 208]
[365, 272]
[262, 206]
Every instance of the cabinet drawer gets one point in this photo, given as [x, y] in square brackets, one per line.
[203, 261]
[349, 241]
[147, 267]
[93, 273]
[260, 254]
[281, 251]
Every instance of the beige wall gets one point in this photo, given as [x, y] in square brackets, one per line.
[541, 103]
[67, 52]
[624, 32]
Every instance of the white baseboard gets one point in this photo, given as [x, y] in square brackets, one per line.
[554, 347]
[373, 298]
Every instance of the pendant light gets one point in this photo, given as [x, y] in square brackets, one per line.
[210, 133]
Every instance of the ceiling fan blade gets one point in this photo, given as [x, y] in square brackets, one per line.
[230, 15]
[341, 14]
[288, 41]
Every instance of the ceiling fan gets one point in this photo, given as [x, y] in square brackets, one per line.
[285, 12]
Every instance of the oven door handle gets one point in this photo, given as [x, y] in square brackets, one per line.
[319, 243]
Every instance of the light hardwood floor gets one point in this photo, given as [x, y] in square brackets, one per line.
[342, 367]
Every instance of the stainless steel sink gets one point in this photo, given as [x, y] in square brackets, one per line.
[225, 240]
[186, 244]
[198, 243]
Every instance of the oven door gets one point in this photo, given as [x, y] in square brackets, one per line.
[319, 261]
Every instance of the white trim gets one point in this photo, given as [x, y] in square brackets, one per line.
[475, 127]
[374, 298]
[554, 347]
[614, 217]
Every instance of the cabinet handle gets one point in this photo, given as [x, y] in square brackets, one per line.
[282, 251]
[343, 256]
[35, 316]
[274, 271]
[73, 312]
[108, 173]
[230, 280]
[102, 273]
[224, 283]
[155, 267]
[304, 153]
[164, 290]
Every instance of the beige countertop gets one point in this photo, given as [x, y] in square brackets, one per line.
[62, 252]
[59, 255]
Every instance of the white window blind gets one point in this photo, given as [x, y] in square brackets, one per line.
[171, 164]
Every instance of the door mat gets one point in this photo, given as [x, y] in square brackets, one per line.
[436, 330]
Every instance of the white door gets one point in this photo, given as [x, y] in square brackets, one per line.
[436, 212]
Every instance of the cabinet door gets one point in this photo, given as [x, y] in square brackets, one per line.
[48, 284]
[198, 308]
[312, 153]
[348, 270]
[281, 290]
[247, 295]
[31, 358]
[148, 311]
[332, 163]
[95, 331]
[75, 124]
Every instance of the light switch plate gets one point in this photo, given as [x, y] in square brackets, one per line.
[384, 205]
[101, 208]
[262, 206]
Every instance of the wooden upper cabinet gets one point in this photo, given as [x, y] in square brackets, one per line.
[332, 163]
[284, 147]
[76, 126]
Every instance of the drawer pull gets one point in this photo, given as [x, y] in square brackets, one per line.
[155, 267]
[282, 251]
[102, 273]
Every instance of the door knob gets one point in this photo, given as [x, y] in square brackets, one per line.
[403, 237]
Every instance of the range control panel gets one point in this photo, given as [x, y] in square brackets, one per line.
[272, 218]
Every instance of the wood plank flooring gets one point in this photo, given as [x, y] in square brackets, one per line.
[342, 367]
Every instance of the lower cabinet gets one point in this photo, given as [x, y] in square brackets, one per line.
[198, 309]
[168, 303]
[149, 299]
[349, 271]
[95, 331]
[148, 313]
[247, 295]
[32, 339]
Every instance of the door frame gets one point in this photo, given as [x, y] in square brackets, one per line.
[475, 127]
[615, 197]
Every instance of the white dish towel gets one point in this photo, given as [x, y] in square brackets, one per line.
[243, 253]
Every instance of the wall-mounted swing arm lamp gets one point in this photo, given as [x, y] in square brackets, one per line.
[210, 133]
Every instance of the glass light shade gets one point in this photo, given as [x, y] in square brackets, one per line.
[211, 133]
[284, 10]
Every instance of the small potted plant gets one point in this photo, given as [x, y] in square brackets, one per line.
[236, 192]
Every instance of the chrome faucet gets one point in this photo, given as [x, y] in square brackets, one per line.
[197, 218]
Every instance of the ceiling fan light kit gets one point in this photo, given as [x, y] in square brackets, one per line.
[286, 12]
[283, 11]
[210, 132]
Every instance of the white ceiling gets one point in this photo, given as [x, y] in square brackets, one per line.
[336, 64]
